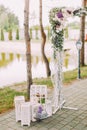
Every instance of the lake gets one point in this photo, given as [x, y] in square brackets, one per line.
[13, 67]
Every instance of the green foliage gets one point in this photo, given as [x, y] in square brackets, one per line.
[8, 19]
[80, 12]
[17, 34]
[57, 37]
[57, 19]
[2, 35]
[10, 34]
[12, 20]
[57, 41]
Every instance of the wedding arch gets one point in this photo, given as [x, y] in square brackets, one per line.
[58, 19]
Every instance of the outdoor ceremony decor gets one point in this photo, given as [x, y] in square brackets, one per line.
[58, 18]
[18, 100]
[41, 106]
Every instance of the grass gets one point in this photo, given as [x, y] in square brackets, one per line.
[7, 94]
[71, 76]
[45, 81]
[68, 77]
[7, 98]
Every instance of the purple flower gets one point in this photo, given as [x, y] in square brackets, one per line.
[60, 15]
[40, 109]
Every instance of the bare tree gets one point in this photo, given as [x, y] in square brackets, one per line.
[28, 47]
[43, 35]
[82, 34]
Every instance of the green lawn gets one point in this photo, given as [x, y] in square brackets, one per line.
[71, 76]
[7, 98]
[68, 77]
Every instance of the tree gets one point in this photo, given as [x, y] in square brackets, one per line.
[8, 19]
[17, 34]
[28, 47]
[2, 9]
[3, 17]
[12, 20]
[43, 35]
[10, 34]
[82, 33]
[2, 35]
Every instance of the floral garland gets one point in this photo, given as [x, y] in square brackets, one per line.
[58, 18]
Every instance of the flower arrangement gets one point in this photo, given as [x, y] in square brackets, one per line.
[40, 113]
[58, 18]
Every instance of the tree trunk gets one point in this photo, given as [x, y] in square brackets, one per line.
[28, 47]
[82, 34]
[43, 35]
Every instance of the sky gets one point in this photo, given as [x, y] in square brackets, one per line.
[17, 7]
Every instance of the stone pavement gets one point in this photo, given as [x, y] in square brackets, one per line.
[64, 119]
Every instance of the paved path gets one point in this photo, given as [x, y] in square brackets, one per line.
[64, 119]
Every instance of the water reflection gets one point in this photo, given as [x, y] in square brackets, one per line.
[13, 67]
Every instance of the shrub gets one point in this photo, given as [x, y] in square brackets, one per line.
[10, 34]
[2, 35]
[17, 34]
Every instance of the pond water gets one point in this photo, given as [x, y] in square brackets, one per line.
[13, 67]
